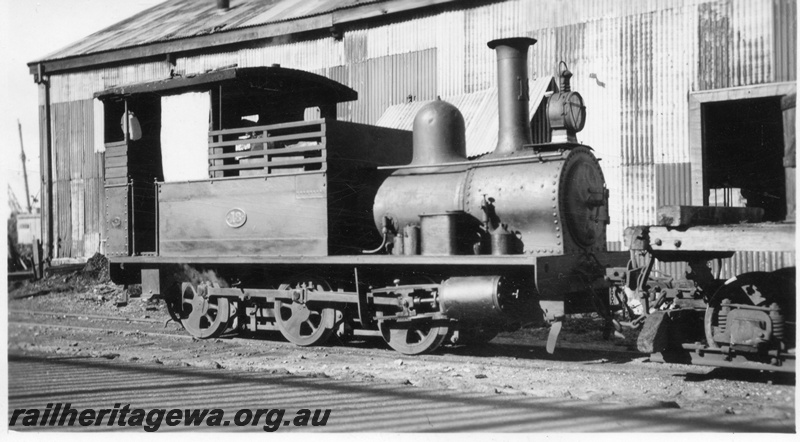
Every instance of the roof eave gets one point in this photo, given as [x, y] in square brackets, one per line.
[233, 37]
[328, 90]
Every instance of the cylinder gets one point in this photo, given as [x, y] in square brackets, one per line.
[512, 93]
[474, 298]
[411, 239]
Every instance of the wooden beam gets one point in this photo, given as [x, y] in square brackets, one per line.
[772, 237]
[300, 136]
[675, 216]
[270, 164]
[266, 152]
[278, 126]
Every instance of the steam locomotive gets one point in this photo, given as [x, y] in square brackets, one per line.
[320, 227]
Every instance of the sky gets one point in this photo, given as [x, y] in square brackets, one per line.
[29, 30]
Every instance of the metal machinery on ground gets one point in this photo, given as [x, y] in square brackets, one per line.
[748, 321]
[282, 235]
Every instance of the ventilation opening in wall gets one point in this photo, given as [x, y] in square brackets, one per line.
[743, 155]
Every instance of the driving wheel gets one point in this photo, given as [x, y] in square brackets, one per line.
[203, 316]
[300, 323]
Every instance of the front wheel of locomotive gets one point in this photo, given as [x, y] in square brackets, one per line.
[413, 337]
[202, 316]
[421, 328]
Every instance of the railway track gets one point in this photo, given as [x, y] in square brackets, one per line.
[513, 347]
[507, 366]
[82, 315]
[93, 329]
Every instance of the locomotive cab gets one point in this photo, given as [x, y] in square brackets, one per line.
[237, 162]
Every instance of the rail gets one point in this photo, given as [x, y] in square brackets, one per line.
[268, 150]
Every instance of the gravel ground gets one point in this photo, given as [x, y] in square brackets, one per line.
[584, 367]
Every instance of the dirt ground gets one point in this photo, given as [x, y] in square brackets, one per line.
[584, 367]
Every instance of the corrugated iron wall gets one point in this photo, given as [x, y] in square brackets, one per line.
[736, 43]
[634, 63]
[740, 262]
[392, 79]
[479, 109]
[78, 187]
[785, 24]
[746, 262]
[78, 192]
[451, 55]
[483, 24]
[83, 85]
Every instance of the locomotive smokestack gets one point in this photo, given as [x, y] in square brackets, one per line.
[512, 93]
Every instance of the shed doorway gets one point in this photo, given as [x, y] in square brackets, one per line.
[743, 155]
[736, 147]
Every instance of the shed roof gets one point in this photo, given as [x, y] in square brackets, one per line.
[480, 111]
[272, 80]
[180, 25]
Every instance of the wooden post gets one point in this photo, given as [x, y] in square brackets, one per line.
[46, 157]
[37, 260]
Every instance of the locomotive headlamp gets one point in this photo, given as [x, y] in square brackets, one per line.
[566, 111]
